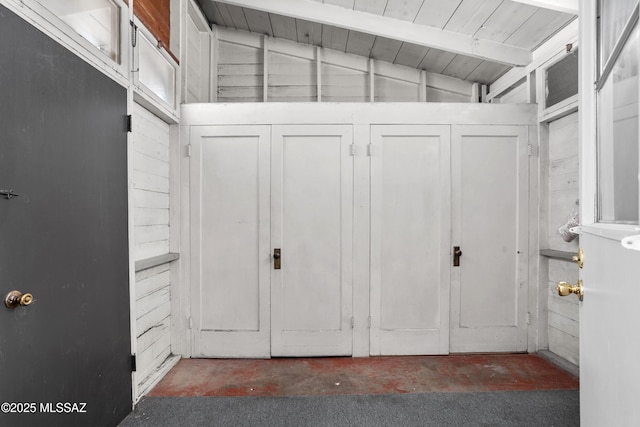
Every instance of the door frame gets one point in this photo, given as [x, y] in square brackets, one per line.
[361, 116]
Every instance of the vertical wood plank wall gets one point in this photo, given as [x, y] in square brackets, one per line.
[292, 74]
[150, 187]
[563, 192]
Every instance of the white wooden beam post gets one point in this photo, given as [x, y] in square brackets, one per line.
[265, 69]
[395, 29]
[372, 78]
[566, 6]
[475, 92]
[319, 72]
[422, 94]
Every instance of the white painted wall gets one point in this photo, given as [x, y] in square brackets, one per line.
[563, 319]
[150, 188]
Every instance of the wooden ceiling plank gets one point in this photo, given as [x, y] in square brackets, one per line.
[360, 43]
[224, 13]
[505, 21]
[487, 72]
[411, 55]
[258, 21]
[392, 28]
[309, 32]
[334, 38]
[436, 60]
[542, 25]
[461, 66]
[437, 13]
[237, 15]
[471, 15]
[376, 7]
[347, 4]
[565, 6]
[284, 27]
[404, 10]
[385, 49]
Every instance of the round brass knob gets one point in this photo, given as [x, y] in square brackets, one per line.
[26, 299]
[565, 289]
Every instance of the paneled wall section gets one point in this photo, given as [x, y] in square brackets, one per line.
[296, 72]
[563, 193]
[150, 188]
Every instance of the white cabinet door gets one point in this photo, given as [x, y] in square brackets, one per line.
[312, 225]
[410, 223]
[230, 217]
[490, 225]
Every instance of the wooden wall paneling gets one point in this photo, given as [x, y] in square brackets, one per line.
[385, 49]
[258, 21]
[156, 16]
[393, 90]
[471, 15]
[341, 84]
[240, 70]
[422, 89]
[372, 80]
[283, 27]
[334, 38]
[151, 218]
[291, 79]
[411, 55]
[436, 13]
[265, 69]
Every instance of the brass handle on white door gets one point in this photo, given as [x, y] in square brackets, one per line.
[565, 289]
[16, 298]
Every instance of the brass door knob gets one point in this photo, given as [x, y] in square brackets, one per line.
[16, 298]
[565, 289]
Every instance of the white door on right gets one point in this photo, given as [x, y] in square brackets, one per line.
[489, 283]
[610, 238]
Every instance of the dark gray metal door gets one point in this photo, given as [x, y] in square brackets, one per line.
[65, 358]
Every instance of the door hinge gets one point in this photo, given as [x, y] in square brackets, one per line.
[134, 34]
[352, 149]
[369, 322]
[353, 322]
[129, 123]
[133, 363]
[369, 149]
[528, 318]
[530, 150]
[189, 150]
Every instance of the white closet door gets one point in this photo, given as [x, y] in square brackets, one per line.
[230, 216]
[312, 225]
[490, 224]
[410, 223]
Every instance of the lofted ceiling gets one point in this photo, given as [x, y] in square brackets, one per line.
[474, 40]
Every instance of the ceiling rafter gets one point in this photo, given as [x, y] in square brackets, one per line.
[566, 6]
[391, 28]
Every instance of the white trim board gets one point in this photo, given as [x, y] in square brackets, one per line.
[356, 113]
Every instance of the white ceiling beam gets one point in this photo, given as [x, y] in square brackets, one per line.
[566, 6]
[391, 28]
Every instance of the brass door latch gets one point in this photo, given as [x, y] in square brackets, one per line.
[276, 259]
[16, 298]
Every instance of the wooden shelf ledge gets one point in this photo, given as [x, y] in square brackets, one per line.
[145, 264]
[552, 253]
